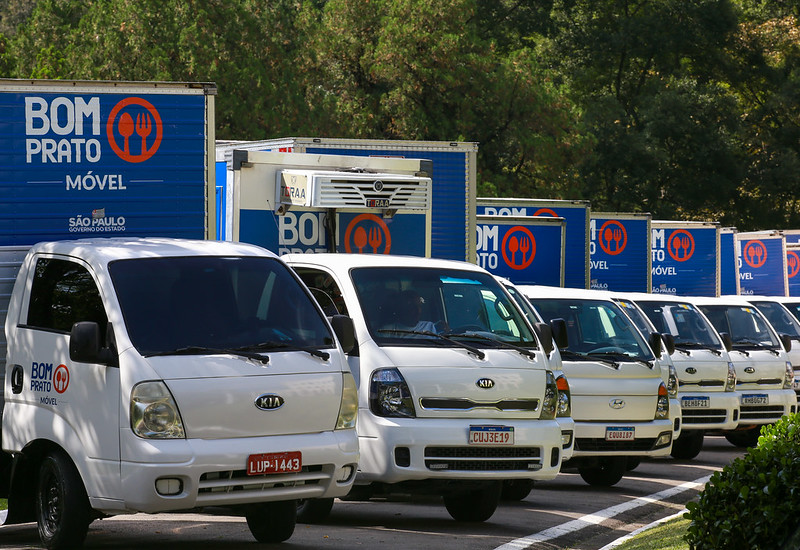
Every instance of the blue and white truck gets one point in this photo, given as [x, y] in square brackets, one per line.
[146, 368]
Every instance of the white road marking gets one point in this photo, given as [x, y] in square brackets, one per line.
[601, 516]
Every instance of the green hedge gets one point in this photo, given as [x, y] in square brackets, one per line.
[754, 502]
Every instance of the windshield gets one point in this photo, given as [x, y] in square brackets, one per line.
[780, 319]
[595, 327]
[635, 315]
[794, 309]
[173, 303]
[746, 327]
[398, 302]
[682, 321]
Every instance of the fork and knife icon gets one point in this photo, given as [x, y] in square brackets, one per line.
[127, 127]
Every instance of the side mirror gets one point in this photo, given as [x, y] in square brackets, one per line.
[655, 343]
[786, 340]
[84, 345]
[345, 331]
[727, 343]
[559, 328]
[545, 334]
[669, 342]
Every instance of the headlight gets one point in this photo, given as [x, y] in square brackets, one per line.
[662, 405]
[730, 381]
[348, 410]
[550, 401]
[788, 378]
[389, 394]
[564, 398]
[672, 382]
[154, 413]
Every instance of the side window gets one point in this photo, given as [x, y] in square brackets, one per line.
[62, 294]
[324, 289]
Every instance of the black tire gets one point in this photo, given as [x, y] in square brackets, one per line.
[516, 489]
[314, 510]
[272, 521]
[744, 438]
[606, 472]
[474, 506]
[62, 506]
[688, 445]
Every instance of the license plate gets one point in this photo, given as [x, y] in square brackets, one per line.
[797, 383]
[755, 399]
[695, 402]
[377, 203]
[274, 463]
[491, 435]
[620, 434]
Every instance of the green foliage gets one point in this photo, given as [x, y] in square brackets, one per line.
[754, 502]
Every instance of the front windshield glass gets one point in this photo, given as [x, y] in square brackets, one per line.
[682, 321]
[746, 327]
[410, 305]
[171, 303]
[780, 319]
[595, 327]
[794, 309]
[636, 316]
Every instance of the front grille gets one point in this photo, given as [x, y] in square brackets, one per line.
[601, 445]
[236, 484]
[463, 404]
[704, 416]
[703, 383]
[761, 382]
[757, 412]
[477, 459]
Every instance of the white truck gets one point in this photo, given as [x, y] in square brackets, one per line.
[151, 375]
[764, 373]
[454, 396]
[706, 375]
[620, 401]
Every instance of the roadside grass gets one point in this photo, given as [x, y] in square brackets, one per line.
[3, 504]
[667, 536]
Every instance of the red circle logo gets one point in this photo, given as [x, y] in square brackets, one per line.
[372, 234]
[520, 244]
[755, 253]
[139, 129]
[61, 378]
[793, 263]
[612, 237]
[680, 245]
[545, 212]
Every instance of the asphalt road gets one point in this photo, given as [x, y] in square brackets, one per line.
[559, 514]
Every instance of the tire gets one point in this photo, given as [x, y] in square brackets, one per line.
[606, 472]
[272, 521]
[688, 445]
[62, 506]
[632, 462]
[744, 438]
[474, 506]
[516, 489]
[314, 510]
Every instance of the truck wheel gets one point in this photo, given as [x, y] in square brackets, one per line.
[688, 445]
[62, 507]
[474, 506]
[516, 489]
[272, 521]
[314, 510]
[605, 473]
[744, 438]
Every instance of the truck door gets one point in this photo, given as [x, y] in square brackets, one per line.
[64, 399]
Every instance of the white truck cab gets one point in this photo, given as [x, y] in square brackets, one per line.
[706, 375]
[151, 375]
[454, 393]
[620, 402]
[764, 374]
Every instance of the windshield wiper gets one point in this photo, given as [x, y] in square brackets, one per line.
[472, 349]
[275, 345]
[199, 350]
[566, 354]
[621, 357]
[685, 346]
[526, 352]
